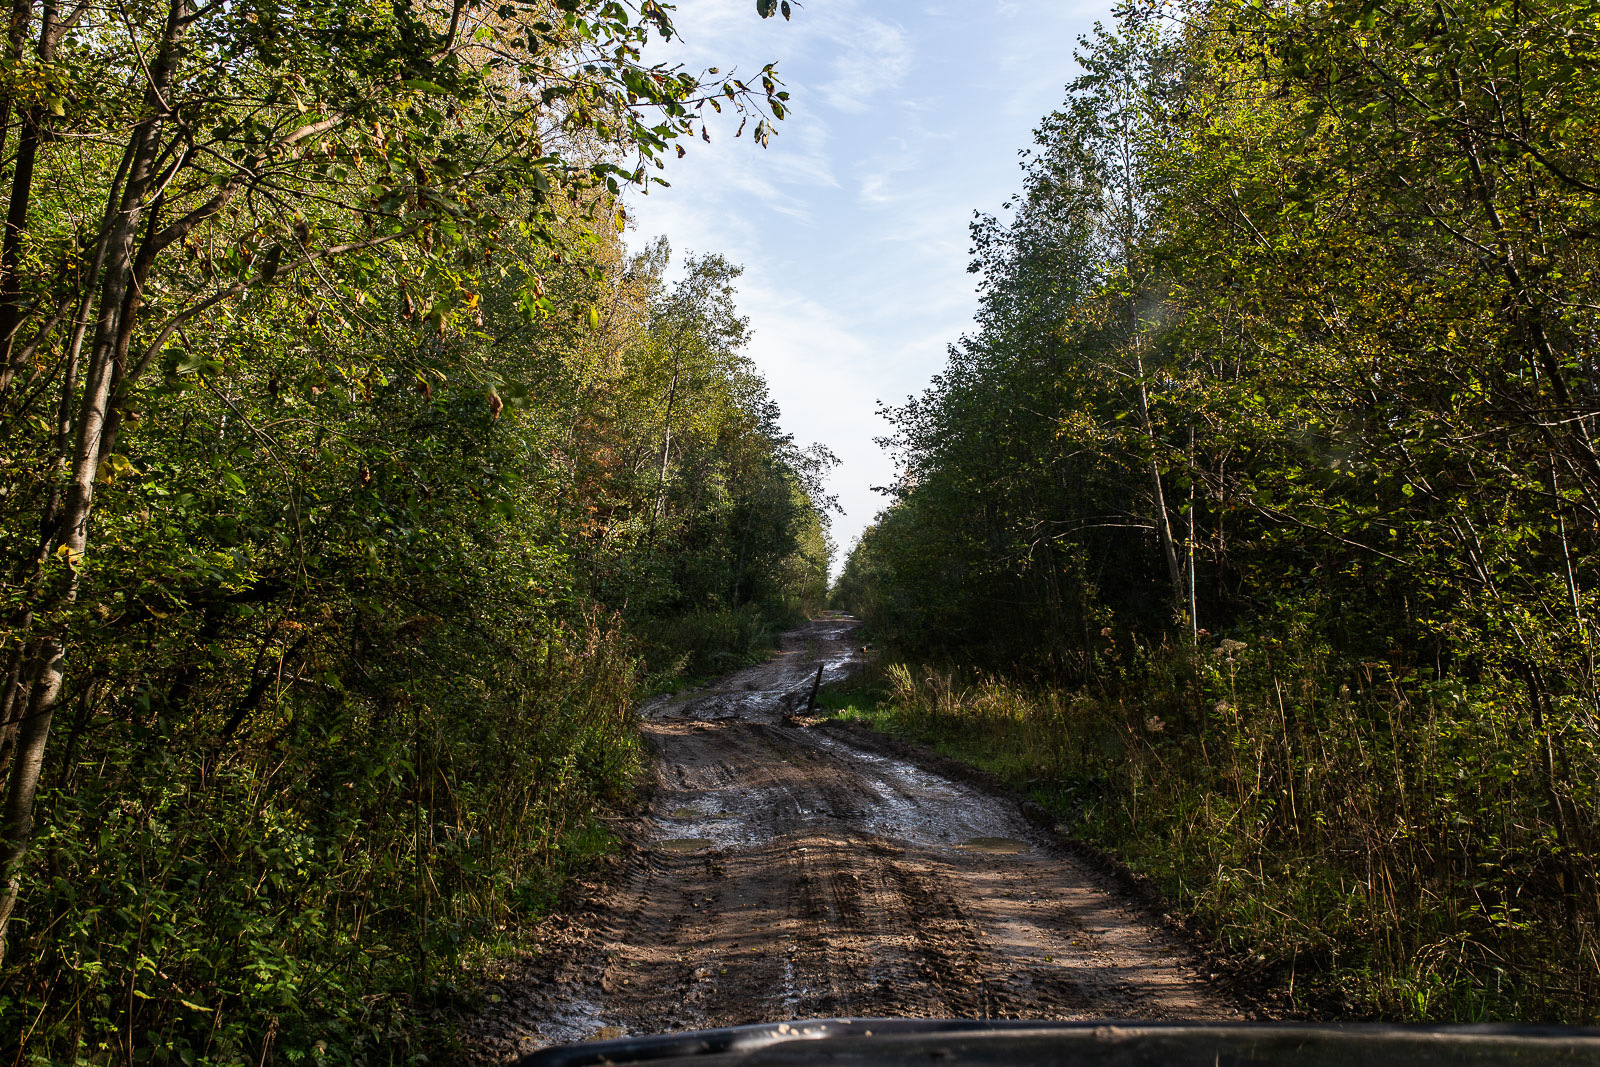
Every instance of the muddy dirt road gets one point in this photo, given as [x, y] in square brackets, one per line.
[793, 872]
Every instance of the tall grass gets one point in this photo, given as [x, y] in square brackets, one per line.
[1370, 844]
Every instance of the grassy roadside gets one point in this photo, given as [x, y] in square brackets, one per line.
[1351, 868]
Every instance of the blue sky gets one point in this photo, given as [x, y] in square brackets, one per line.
[907, 116]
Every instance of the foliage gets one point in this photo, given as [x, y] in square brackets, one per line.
[1289, 337]
[356, 483]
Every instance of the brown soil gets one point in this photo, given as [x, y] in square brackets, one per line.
[790, 872]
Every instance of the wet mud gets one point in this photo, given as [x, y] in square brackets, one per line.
[785, 872]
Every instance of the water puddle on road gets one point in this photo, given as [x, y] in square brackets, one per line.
[575, 1018]
[684, 844]
[994, 846]
[901, 801]
[766, 691]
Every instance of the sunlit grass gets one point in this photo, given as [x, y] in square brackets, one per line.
[1357, 870]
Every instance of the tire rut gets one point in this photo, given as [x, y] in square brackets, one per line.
[785, 873]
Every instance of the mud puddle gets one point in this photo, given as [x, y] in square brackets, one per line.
[792, 874]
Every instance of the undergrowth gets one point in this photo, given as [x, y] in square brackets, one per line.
[322, 893]
[1365, 845]
[692, 649]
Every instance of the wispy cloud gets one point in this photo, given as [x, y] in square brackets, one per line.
[873, 56]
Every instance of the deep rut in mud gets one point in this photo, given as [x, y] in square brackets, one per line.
[792, 872]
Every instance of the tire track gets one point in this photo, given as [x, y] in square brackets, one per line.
[787, 873]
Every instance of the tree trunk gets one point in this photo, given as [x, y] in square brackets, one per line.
[16, 819]
[71, 529]
[1194, 500]
[21, 191]
[1169, 547]
[9, 721]
[666, 452]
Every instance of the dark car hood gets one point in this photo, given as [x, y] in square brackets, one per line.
[872, 1042]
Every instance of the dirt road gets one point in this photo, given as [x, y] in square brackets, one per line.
[794, 872]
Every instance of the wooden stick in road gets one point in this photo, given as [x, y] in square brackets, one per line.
[816, 683]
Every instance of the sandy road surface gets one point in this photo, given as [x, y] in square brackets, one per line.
[795, 872]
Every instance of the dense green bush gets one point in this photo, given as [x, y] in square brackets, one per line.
[200, 902]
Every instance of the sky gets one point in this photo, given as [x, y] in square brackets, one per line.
[906, 117]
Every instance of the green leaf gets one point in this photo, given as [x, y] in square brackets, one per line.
[766, 8]
[270, 262]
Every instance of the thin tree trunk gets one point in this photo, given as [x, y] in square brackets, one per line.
[1169, 548]
[16, 34]
[21, 192]
[9, 722]
[1574, 598]
[16, 819]
[16, 822]
[15, 695]
[11, 248]
[666, 452]
[1194, 611]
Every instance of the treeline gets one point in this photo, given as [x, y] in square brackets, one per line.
[356, 482]
[1268, 483]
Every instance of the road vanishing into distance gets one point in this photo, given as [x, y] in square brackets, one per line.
[791, 868]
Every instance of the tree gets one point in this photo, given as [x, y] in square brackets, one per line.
[234, 152]
[1311, 286]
